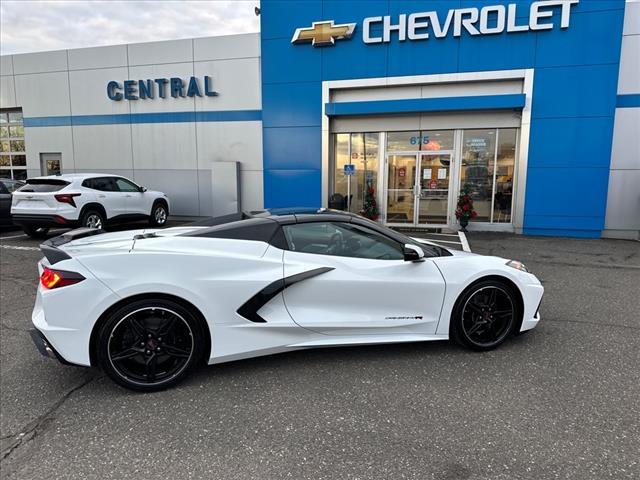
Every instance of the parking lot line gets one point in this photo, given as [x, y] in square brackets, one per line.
[445, 241]
[16, 247]
[464, 242]
[13, 236]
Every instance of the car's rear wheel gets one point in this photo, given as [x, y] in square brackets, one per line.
[485, 315]
[93, 219]
[35, 232]
[159, 214]
[150, 344]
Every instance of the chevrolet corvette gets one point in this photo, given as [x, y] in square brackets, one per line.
[148, 306]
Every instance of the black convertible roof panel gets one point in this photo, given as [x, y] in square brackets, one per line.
[256, 229]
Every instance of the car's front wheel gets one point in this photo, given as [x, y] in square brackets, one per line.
[150, 344]
[485, 315]
[159, 214]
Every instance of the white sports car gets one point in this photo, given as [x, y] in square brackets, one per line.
[149, 305]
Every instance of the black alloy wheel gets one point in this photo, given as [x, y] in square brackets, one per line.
[485, 315]
[150, 345]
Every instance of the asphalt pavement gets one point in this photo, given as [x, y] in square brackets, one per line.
[562, 401]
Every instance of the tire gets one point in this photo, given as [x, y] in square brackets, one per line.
[35, 232]
[485, 315]
[151, 344]
[159, 214]
[93, 219]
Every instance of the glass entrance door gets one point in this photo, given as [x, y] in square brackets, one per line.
[433, 189]
[401, 188]
[418, 189]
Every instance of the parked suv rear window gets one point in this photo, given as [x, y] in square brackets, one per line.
[43, 185]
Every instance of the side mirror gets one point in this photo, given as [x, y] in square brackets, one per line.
[143, 189]
[413, 253]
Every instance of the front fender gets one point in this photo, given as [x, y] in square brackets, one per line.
[461, 271]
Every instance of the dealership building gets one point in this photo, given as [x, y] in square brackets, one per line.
[530, 107]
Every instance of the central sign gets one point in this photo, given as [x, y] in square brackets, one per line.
[159, 87]
[489, 20]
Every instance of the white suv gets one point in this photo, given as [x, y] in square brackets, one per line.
[87, 200]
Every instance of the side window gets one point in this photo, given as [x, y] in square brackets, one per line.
[3, 187]
[342, 240]
[126, 186]
[103, 184]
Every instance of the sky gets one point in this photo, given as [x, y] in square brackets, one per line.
[32, 26]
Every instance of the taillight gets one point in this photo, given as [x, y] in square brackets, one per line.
[58, 278]
[67, 198]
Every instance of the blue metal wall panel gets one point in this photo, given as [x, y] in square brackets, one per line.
[571, 142]
[574, 100]
[292, 188]
[297, 148]
[571, 193]
[292, 104]
[496, 52]
[577, 45]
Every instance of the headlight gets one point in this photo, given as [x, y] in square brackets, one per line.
[518, 266]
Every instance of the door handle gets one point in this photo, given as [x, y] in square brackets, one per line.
[102, 196]
[128, 196]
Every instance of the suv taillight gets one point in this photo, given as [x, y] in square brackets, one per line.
[51, 278]
[67, 198]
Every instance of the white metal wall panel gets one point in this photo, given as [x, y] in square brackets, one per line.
[235, 81]
[43, 94]
[180, 185]
[153, 53]
[164, 146]
[40, 62]
[228, 46]
[623, 203]
[49, 140]
[631, 18]
[100, 146]
[230, 141]
[6, 65]
[626, 140]
[7, 92]
[89, 91]
[251, 191]
[629, 80]
[98, 57]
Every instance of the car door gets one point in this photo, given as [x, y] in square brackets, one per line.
[347, 279]
[108, 195]
[135, 203]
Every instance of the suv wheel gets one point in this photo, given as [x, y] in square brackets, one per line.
[93, 219]
[159, 215]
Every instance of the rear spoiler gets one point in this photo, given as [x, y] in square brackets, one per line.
[54, 254]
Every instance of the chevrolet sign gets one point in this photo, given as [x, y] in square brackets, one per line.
[488, 20]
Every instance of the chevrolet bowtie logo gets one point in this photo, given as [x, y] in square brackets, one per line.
[321, 34]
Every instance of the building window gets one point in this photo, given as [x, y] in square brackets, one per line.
[358, 151]
[486, 172]
[13, 160]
